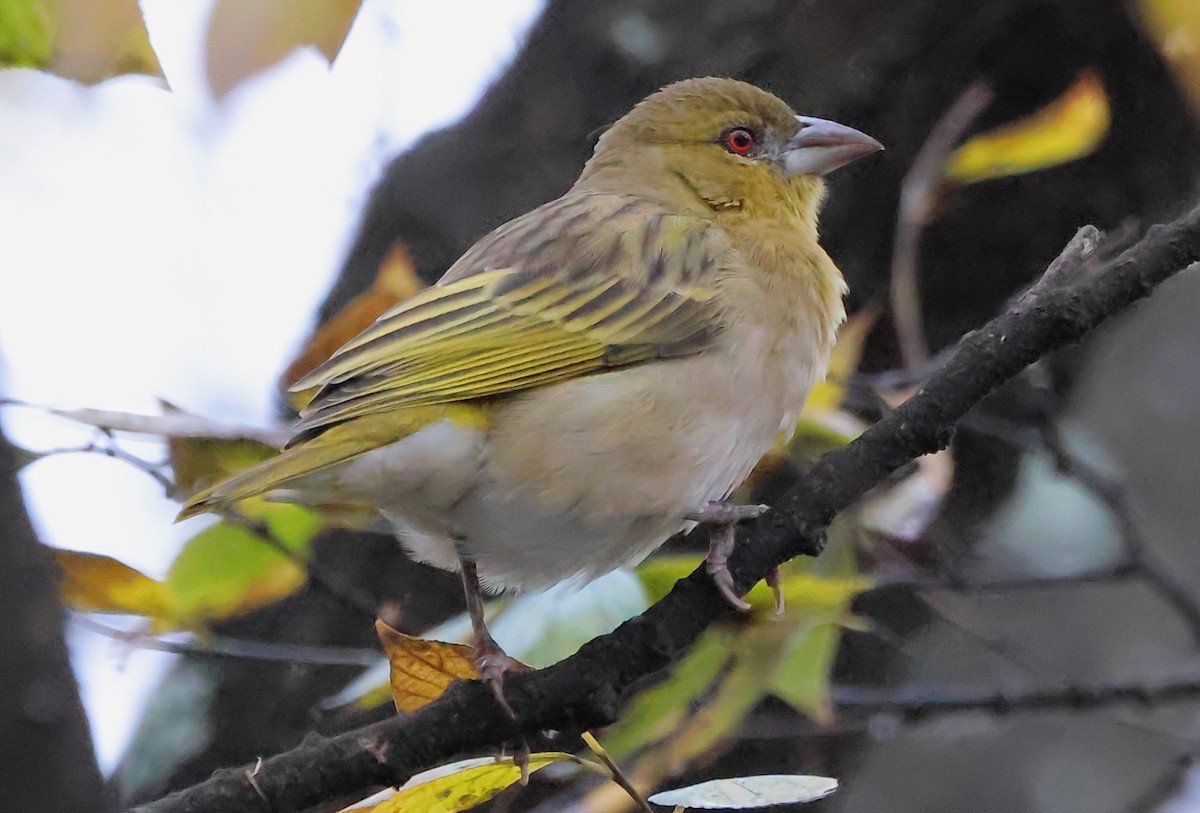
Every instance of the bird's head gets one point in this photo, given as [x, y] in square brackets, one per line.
[725, 146]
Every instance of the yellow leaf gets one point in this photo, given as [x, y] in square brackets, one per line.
[395, 282]
[422, 670]
[101, 584]
[807, 591]
[246, 36]
[462, 785]
[1069, 128]
[1175, 28]
[828, 395]
[813, 594]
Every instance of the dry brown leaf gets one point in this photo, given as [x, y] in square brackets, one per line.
[98, 39]
[246, 36]
[423, 670]
[396, 281]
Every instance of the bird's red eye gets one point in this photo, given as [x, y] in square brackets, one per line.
[739, 141]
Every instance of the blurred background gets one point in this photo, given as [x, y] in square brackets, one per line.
[188, 188]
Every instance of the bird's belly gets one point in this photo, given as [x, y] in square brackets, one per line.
[602, 483]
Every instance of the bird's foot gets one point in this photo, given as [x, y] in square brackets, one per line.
[725, 516]
[493, 664]
[717, 565]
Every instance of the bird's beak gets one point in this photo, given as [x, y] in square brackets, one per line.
[821, 146]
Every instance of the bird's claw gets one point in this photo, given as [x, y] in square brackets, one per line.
[717, 565]
[723, 579]
[774, 582]
[521, 760]
[493, 664]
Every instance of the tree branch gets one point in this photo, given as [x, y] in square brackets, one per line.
[916, 706]
[918, 195]
[585, 691]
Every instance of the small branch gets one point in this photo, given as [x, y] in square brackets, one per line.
[914, 706]
[107, 446]
[586, 690]
[1014, 584]
[220, 647]
[917, 198]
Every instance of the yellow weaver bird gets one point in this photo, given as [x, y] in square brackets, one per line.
[598, 374]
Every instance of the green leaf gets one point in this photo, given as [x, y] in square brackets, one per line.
[756, 651]
[27, 32]
[228, 570]
[802, 676]
[660, 710]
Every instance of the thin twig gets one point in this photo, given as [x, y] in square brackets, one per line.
[915, 705]
[107, 446]
[1013, 584]
[918, 193]
[221, 647]
[618, 775]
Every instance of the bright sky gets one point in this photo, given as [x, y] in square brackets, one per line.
[166, 245]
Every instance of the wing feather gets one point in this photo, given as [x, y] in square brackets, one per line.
[586, 283]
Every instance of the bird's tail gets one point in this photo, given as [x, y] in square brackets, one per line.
[336, 445]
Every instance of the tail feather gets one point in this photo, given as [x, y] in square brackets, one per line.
[336, 445]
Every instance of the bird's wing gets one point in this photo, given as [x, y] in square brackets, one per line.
[582, 284]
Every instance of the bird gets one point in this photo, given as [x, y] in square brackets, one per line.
[598, 374]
